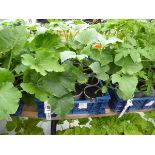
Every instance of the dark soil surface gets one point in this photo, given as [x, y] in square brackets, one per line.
[140, 84]
[78, 89]
[92, 80]
[87, 70]
[93, 92]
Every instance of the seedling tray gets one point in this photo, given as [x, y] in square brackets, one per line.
[117, 104]
[83, 106]
[40, 109]
[95, 106]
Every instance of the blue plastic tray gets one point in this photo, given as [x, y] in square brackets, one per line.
[117, 104]
[96, 106]
[40, 109]
[19, 110]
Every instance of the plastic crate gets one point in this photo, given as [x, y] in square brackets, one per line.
[96, 106]
[89, 106]
[19, 110]
[117, 104]
[40, 109]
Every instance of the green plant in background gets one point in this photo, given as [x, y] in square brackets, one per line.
[24, 126]
[128, 124]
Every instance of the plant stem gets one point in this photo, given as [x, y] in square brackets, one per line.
[107, 82]
[9, 64]
[97, 90]
[19, 75]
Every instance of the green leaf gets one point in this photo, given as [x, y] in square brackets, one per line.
[20, 68]
[67, 132]
[1, 27]
[9, 98]
[125, 51]
[103, 57]
[81, 131]
[113, 68]
[100, 71]
[13, 39]
[131, 129]
[102, 39]
[43, 62]
[96, 67]
[122, 53]
[23, 126]
[6, 75]
[118, 56]
[145, 53]
[132, 41]
[67, 55]
[128, 66]
[112, 131]
[81, 56]
[28, 99]
[31, 123]
[36, 131]
[135, 56]
[11, 125]
[104, 89]
[87, 36]
[79, 22]
[153, 133]
[127, 84]
[58, 84]
[143, 75]
[46, 41]
[103, 76]
[113, 40]
[31, 76]
[75, 72]
[63, 105]
[34, 89]
[94, 130]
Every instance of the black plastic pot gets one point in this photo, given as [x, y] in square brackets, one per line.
[92, 81]
[92, 92]
[78, 91]
[87, 70]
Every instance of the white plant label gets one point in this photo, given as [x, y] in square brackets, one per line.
[82, 105]
[47, 110]
[150, 103]
[128, 104]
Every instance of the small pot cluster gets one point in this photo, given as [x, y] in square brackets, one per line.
[90, 90]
